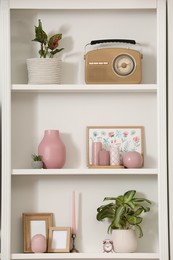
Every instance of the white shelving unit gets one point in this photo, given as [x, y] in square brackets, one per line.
[72, 106]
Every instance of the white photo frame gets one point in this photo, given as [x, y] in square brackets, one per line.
[35, 223]
[59, 239]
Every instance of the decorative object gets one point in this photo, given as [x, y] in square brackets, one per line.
[37, 161]
[115, 155]
[73, 250]
[33, 224]
[104, 157]
[129, 138]
[46, 70]
[107, 246]
[124, 213]
[96, 148]
[38, 244]
[124, 241]
[123, 65]
[59, 240]
[73, 214]
[132, 159]
[52, 150]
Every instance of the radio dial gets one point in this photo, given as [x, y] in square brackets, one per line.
[123, 65]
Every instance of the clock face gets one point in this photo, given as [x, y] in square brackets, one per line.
[107, 245]
[124, 65]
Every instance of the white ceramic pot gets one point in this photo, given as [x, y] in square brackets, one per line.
[44, 71]
[124, 241]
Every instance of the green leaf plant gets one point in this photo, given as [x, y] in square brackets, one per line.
[124, 212]
[36, 157]
[48, 45]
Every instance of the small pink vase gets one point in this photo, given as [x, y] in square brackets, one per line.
[38, 244]
[104, 157]
[96, 148]
[52, 150]
[132, 159]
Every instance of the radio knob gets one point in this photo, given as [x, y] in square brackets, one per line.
[124, 65]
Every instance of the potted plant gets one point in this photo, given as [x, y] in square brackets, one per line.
[47, 68]
[124, 214]
[37, 161]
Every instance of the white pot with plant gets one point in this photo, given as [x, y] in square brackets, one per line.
[37, 161]
[47, 68]
[124, 214]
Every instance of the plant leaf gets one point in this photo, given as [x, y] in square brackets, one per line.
[56, 51]
[141, 200]
[139, 230]
[118, 216]
[54, 41]
[134, 220]
[40, 35]
[131, 204]
[109, 198]
[128, 196]
[105, 211]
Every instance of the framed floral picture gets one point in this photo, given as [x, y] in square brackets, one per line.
[128, 138]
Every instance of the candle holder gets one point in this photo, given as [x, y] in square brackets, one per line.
[73, 250]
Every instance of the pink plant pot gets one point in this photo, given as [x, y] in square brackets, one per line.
[38, 244]
[132, 159]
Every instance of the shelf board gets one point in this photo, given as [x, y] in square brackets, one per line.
[84, 172]
[87, 256]
[83, 4]
[85, 88]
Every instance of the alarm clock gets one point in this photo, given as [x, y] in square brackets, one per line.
[118, 65]
[107, 246]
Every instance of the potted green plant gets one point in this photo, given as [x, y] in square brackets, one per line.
[125, 216]
[47, 68]
[37, 161]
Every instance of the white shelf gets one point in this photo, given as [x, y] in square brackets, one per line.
[83, 4]
[84, 172]
[87, 256]
[85, 88]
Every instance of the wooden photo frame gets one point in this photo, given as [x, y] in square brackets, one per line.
[129, 138]
[59, 239]
[35, 223]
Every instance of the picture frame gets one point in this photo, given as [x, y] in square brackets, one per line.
[129, 138]
[35, 223]
[59, 239]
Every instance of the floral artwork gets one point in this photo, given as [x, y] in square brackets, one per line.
[128, 138]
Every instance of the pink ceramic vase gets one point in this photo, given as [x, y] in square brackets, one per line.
[52, 150]
[38, 244]
[96, 148]
[132, 159]
[104, 157]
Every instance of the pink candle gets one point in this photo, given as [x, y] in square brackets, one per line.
[73, 214]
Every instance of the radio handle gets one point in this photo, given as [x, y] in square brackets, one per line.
[112, 40]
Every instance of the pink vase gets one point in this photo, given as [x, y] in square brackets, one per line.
[38, 244]
[52, 150]
[132, 159]
[96, 148]
[104, 157]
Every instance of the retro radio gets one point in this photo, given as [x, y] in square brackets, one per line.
[118, 65]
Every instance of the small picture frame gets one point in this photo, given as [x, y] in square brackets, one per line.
[129, 138]
[35, 223]
[59, 239]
